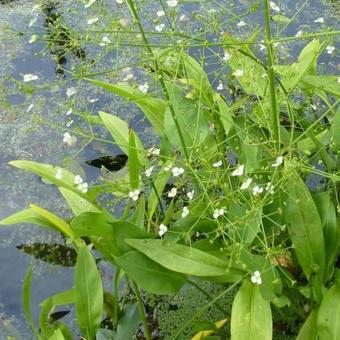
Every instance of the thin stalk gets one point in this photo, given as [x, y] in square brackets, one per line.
[271, 53]
[116, 296]
[194, 284]
[141, 311]
[161, 79]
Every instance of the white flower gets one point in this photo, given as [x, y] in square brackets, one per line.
[89, 3]
[162, 229]
[185, 212]
[217, 164]
[238, 73]
[220, 87]
[257, 190]
[279, 161]
[148, 171]
[83, 187]
[298, 34]
[124, 22]
[129, 76]
[154, 151]
[92, 100]
[119, 2]
[172, 192]
[30, 77]
[217, 213]
[69, 140]
[71, 91]
[238, 171]
[159, 28]
[226, 56]
[144, 87]
[91, 21]
[172, 3]
[134, 194]
[338, 80]
[330, 49]
[262, 47]
[183, 17]
[274, 6]
[319, 20]
[33, 39]
[78, 179]
[256, 278]
[241, 23]
[190, 194]
[59, 174]
[105, 40]
[270, 187]
[177, 171]
[245, 185]
[69, 112]
[160, 13]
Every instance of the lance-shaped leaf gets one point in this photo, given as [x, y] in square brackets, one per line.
[120, 133]
[304, 224]
[180, 258]
[88, 293]
[152, 107]
[329, 315]
[251, 316]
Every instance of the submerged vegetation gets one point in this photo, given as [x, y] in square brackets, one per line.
[226, 224]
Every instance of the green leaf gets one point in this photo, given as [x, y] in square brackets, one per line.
[149, 275]
[251, 316]
[152, 107]
[180, 258]
[57, 335]
[98, 228]
[88, 293]
[309, 329]
[128, 323]
[281, 19]
[304, 224]
[138, 217]
[122, 230]
[329, 315]
[49, 172]
[291, 75]
[335, 132]
[59, 223]
[331, 229]
[77, 203]
[225, 113]
[28, 216]
[133, 161]
[26, 301]
[120, 133]
[328, 84]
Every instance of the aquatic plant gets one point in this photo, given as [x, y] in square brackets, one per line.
[222, 198]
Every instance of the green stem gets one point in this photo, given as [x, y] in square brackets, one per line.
[161, 79]
[271, 52]
[141, 311]
[116, 296]
[194, 284]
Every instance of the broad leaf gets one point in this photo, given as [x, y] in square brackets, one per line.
[149, 275]
[127, 323]
[309, 329]
[133, 161]
[88, 293]
[251, 316]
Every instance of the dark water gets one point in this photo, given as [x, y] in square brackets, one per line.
[24, 136]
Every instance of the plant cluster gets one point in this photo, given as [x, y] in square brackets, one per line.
[223, 197]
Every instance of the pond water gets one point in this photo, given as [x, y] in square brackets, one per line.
[35, 115]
